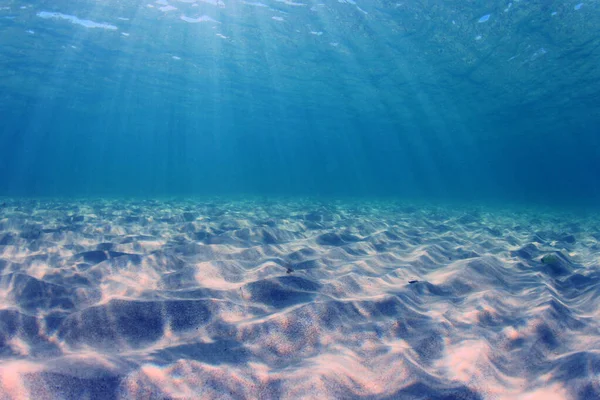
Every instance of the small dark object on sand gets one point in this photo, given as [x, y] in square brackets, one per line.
[289, 270]
[411, 282]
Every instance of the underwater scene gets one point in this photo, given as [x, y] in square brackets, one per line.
[300, 199]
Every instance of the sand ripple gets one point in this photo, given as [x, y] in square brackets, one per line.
[296, 299]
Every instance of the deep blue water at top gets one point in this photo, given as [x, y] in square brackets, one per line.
[437, 100]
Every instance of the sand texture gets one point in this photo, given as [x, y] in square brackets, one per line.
[218, 299]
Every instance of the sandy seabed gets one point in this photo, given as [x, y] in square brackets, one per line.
[296, 299]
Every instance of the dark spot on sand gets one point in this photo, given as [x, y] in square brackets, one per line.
[31, 232]
[289, 270]
[7, 239]
[569, 239]
[75, 218]
[189, 216]
[330, 239]
[104, 246]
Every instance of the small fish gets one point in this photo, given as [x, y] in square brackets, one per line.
[414, 281]
[484, 18]
[289, 270]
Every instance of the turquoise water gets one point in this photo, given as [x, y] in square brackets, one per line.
[431, 100]
[294, 199]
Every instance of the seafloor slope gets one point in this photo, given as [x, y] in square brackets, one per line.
[296, 299]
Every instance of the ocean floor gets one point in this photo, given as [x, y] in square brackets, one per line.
[296, 299]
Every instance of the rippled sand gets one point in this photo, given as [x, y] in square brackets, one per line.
[296, 299]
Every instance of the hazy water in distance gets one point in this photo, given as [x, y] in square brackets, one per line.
[486, 100]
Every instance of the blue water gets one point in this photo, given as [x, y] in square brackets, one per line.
[296, 199]
[431, 100]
